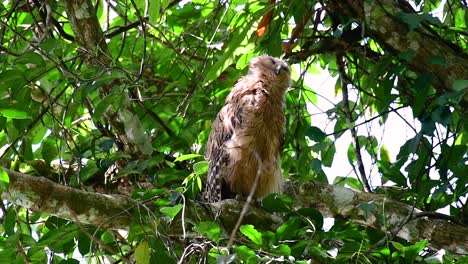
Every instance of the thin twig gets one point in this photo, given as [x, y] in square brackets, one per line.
[357, 148]
[183, 215]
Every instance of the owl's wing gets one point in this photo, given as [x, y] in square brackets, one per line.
[240, 104]
[218, 158]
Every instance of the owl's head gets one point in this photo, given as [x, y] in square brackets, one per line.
[273, 69]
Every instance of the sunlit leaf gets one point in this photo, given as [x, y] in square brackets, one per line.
[171, 211]
[282, 250]
[245, 254]
[250, 232]
[209, 229]
[14, 112]
[187, 157]
[142, 253]
[200, 167]
[4, 176]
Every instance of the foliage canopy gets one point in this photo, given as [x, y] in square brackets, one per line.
[117, 97]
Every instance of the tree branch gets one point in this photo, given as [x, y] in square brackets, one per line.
[81, 14]
[336, 201]
[349, 121]
[429, 52]
[41, 195]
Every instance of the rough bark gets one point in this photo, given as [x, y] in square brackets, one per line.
[382, 21]
[383, 214]
[89, 35]
[42, 195]
[82, 17]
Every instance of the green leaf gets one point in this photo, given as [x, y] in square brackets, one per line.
[412, 20]
[289, 229]
[391, 172]
[159, 251]
[9, 221]
[438, 60]
[4, 176]
[30, 57]
[384, 156]
[328, 154]
[411, 253]
[89, 170]
[209, 229]
[200, 167]
[11, 78]
[61, 239]
[14, 111]
[277, 203]
[38, 255]
[187, 157]
[245, 254]
[244, 60]
[84, 243]
[250, 232]
[171, 211]
[107, 237]
[153, 9]
[367, 208]
[53, 46]
[4, 180]
[460, 85]
[340, 128]
[351, 154]
[104, 104]
[431, 19]
[312, 214]
[315, 134]
[142, 253]
[227, 57]
[49, 150]
[282, 250]
[319, 253]
[351, 182]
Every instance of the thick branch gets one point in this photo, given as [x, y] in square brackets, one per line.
[85, 25]
[398, 218]
[382, 20]
[42, 195]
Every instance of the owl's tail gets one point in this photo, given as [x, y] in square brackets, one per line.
[212, 191]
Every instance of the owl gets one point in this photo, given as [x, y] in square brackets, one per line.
[247, 135]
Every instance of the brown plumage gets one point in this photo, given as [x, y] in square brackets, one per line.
[247, 135]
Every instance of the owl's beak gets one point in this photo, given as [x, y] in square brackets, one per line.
[280, 68]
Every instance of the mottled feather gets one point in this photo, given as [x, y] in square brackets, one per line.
[247, 134]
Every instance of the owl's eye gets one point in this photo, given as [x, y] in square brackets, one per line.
[273, 61]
